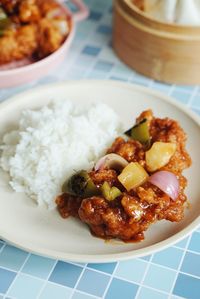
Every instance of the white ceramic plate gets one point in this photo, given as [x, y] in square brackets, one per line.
[37, 230]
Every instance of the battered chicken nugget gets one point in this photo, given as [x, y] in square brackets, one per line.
[47, 6]
[27, 39]
[51, 34]
[18, 44]
[8, 46]
[39, 27]
[29, 11]
[9, 5]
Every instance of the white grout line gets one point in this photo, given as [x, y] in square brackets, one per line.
[80, 276]
[96, 270]
[85, 293]
[179, 267]
[4, 244]
[191, 275]
[153, 289]
[109, 283]
[18, 272]
[159, 266]
[191, 251]
[8, 269]
[194, 92]
[46, 280]
[144, 276]
[138, 283]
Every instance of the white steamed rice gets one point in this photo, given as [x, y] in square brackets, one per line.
[54, 142]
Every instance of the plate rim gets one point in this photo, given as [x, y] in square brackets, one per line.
[110, 257]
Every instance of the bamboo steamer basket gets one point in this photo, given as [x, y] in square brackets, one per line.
[165, 52]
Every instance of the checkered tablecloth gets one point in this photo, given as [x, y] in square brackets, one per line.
[171, 273]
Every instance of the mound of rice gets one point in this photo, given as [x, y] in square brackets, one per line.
[54, 142]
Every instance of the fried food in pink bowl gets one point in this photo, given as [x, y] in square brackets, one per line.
[34, 38]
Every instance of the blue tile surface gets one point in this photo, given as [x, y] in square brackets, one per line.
[159, 278]
[196, 101]
[187, 287]
[145, 258]
[12, 258]
[191, 264]
[103, 66]
[65, 274]
[194, 244]
[170, 257]
[25, 287]
[197, 111]
[95, 15]
[78, 295]
[182, 243]
[161, 87]
[53, 291]
[6, 278]
[132, 270]
[93, 283]
[107, 267]
[91, 50]
[104, 29]
[182, 97]
[146, 293]
[91, 57]
[38, 266]
[175, 297]
[120, 288]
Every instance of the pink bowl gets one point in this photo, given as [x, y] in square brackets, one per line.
[24, 71]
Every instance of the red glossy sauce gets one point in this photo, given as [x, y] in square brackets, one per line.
[130, 215]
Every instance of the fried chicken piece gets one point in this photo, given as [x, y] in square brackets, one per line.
[29, 11]
[40, 29]
[108, 175]
[18, 44]
[46, 7]
[132, 207]
[8, 48]
[9, 5]
[27, 40]
[130, 150]
[51, 34]
[34, 10]
[68, 205]
[109, 222]
[168, 130]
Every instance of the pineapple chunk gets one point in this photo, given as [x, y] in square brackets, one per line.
[159, 155]
[132, 176]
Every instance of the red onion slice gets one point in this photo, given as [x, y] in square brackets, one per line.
[167, 182]
[112, 161]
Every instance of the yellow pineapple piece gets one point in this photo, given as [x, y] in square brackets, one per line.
[159, 155]
[132, 176]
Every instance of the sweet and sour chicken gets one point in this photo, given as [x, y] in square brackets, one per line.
[137, 183]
